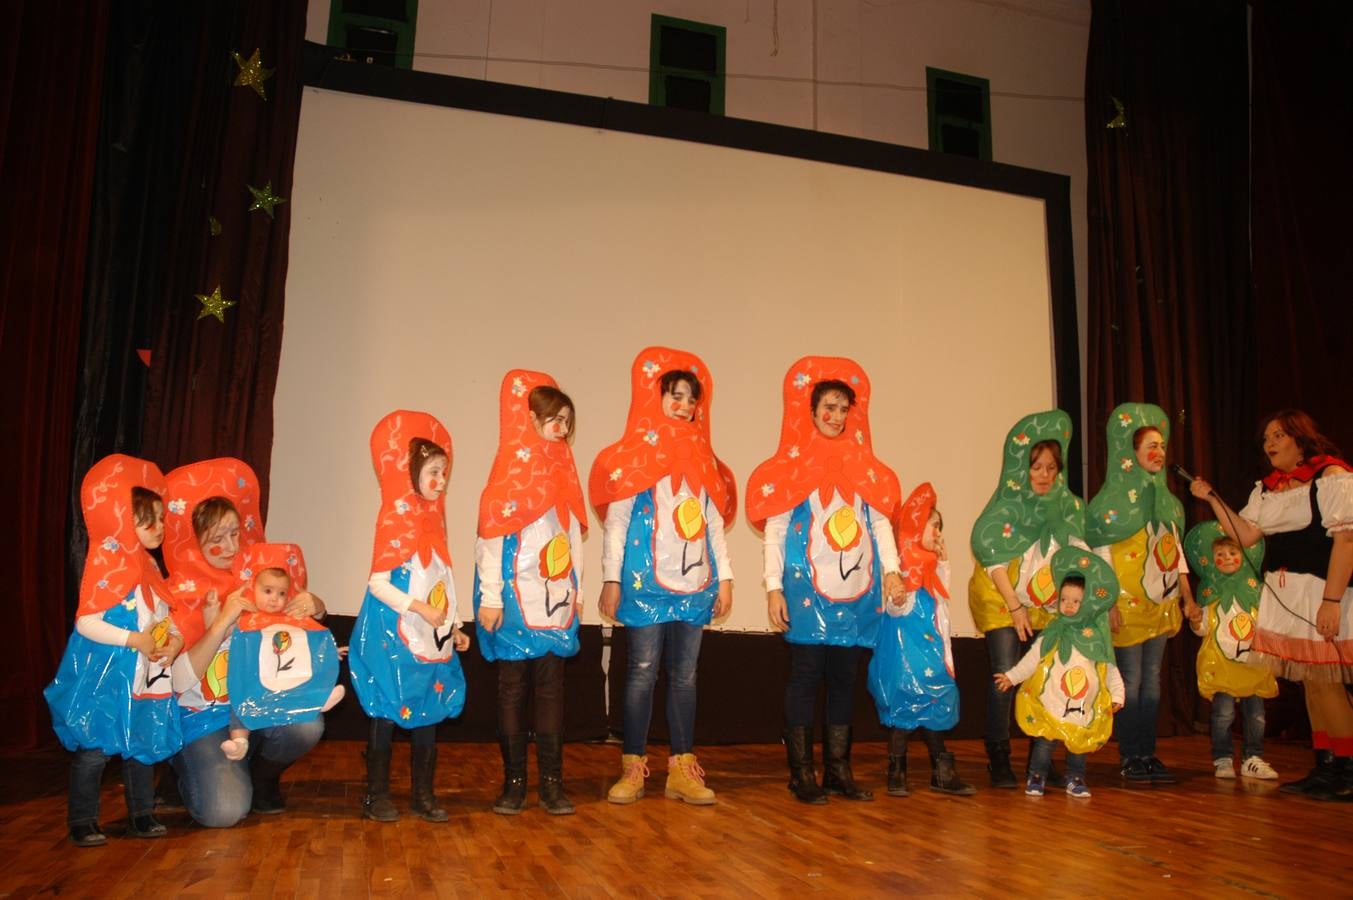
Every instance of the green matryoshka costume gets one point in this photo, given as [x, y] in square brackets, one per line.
[1141, 523]
[1230, 615]
[1022, 530]
[1068, 698]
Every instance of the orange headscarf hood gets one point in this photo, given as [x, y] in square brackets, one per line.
[530, 475]
[918, 564]
[655, 446]
[807, 461]
[190, 575]
[116, 562]
[289, 559]
[407, 523]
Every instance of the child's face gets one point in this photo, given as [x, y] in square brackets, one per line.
[556, 427]
[679, 402]
[1069, 599]
[270, 592]
[1042, 472]
[151, 533]
[432, 478]
[1226, 557]
[931, 533]
[1281, 448]
[222, 542]
[830, 413]
[1151, 452]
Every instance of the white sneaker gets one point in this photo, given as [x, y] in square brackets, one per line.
[1254, 767]
[1225, 768]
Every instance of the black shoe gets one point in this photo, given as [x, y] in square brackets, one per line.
[87, 835]
[1159, 774]
[1136, 770]
[837, 778]
[897, 763]
[998, 765]
[802, 779]
[1338, 787]
[1319, 779]
[513, 797]
[145, 827]
[377, 805]
[423, 798]
[944, 777]
[550, 761]
[266, 776]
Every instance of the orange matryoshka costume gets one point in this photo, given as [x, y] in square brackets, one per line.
[528, 559]
[284, 668]
[403, 669]
[825, 505]
[107, 696]
[664, 499]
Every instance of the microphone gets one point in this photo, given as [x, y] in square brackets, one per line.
[1181, 472]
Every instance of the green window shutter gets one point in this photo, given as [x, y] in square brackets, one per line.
[959, 108]
[376, 31]
[686, 64]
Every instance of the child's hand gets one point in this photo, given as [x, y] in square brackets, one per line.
[235, 605]
[461, 640]
[610, 598]
[429, 613]
[1193, 612]
[490, 617]
[142, 643]
[1117, 707]
[724, 602]
[893, 588]
[305, 605]
[1115, 619]
[211, 600]
[166, 655]
[941, 551]
[777, 610]
[1003, 682]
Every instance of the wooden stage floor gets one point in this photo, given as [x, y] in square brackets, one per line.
[1202, 837]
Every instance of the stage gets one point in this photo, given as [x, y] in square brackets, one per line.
[1201, 836]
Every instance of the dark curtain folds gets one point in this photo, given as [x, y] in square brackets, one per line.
[211, 384]
[1169, 303]
[52, 59]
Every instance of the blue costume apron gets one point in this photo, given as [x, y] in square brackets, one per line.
[540, 587]
[832, 577]
[911, 674]
[669, 573]
[283, 672]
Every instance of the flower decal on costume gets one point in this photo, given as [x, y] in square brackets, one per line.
[401, 506]
[523, 453]
[103, 582]
[240, 482]
[1083, 562]
[801, 380]
[438, 687]
[768, 488]
[1132, 495]
[1022, 439]
[394, 542]
[1087, 632]
[1125, 464]
[109, 543]
[807, 603]
[1251, 582]
[182, 586]
[872, 475]
[1110, 517]
[794, 452]
[291, 561]
[1006, 531]
[651, 438]
[178, 505]
[615, 475]
[518, 387]
[859, 436]
[1101, 593]
[1207, 592]
[129, 603]
[1012, 484]
[246, 573]
[651, 368]
[405, 713]
[638, 582]
[1125, 420]
[509, 508]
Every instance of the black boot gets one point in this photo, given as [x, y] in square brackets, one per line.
[897, 762]
[513, 797]
[423, 799]
[802, 778]
[1339, 787]
[836, 775]
[267, 778]
[944, 777]
[998, 764]
[1319, 778]
[550, 761]
[377, 804]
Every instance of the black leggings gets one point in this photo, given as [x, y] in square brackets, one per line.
[383, 730]
[809, 665]
[546, 675]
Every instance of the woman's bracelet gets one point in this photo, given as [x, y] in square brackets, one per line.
[1338, 599]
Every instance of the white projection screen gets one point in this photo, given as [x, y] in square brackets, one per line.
[434, 248]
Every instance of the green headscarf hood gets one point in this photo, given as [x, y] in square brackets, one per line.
[1218, 587]
[1015, 516]
[1131, 497]
[1088, 630]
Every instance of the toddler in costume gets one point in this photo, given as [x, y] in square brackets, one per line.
[1071, 687]
[1228, 608]
[112, 694]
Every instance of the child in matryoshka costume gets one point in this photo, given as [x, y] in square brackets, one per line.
[285, 669]
[404, 643]
[112, 695]
[664, 497]
[911, 673]
[1070, 687]
[1136, 523]
[1225, 617]
[528, 578]
[824, 503]
[1031, 514]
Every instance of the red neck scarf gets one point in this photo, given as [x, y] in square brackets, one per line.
[807, 460]
[654, 446]
[919, 565]
[1308, 469]
[116, 562]
[407, 524]
[530, 475]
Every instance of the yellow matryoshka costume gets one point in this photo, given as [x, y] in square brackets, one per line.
[1230, 616]
[1136, 517]
[1022, 530]
[1068, 697]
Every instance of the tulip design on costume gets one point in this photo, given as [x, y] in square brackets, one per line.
[1042, 590]
[160, 635]
[281, 643]
[689, 519]
[1166, 553]
[556, 564]
[214, 688]
[1241, 628]
[1075, 685]
[437, 600]
[843, 532]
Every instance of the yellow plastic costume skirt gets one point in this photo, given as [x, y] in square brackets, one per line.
[1135, 564]
[1068, 703]
[988, 606]
[1223, 658]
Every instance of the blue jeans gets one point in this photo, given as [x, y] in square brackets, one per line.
[1040, 759]
[86, 779]
[647, 644]
[1136, 721]
[1252, 725]
[218, 792]
[1004, 649]
[809, 665]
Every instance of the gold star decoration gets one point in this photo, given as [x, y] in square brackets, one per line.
[214, 226]
[1119, 119]
[214, 304]
[264, 199]
[252, 73]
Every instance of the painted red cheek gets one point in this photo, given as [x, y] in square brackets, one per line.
[214, 551]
